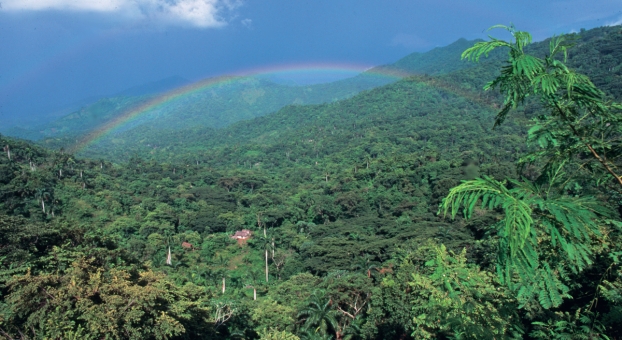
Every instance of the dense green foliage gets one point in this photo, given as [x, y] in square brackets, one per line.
[342, 200]
[214, 106]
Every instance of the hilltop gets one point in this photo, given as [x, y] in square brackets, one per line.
[246, 98]
[415, 104]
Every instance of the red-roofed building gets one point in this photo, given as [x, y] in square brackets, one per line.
[244, 234]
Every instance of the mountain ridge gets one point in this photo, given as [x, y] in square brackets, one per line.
[416, 63]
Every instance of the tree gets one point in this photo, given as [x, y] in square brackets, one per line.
[545, 233]
[579, 121]
[364, 263]
[169, 259]
[266, 244]
[223, 271]
[454, 299]
[42, 194]
[273, 334]
[8, 151]
[349, 294]
[268, 314]
[252, 276]
[542, 234]
[109, 302]
[319, 314]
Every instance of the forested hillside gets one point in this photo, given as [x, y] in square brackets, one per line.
[399, 213]
[225, 103]
[215, 106]
[600, 60]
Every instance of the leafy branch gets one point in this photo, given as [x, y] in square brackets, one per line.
[578, 117]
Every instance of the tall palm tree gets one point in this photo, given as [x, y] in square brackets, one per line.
[8, 151]
[197, 276]
[319, 314]
[252, 276]
[42, 194]
[266, 243]
[364, 263]
[222, 271]
[169, 258]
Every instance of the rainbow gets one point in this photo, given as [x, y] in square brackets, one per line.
[161, 100]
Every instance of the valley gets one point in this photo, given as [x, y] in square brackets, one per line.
[346, 200]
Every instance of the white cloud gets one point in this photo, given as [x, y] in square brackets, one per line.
[247, 22]
[615, 23]
[78, 5]
[199, 13]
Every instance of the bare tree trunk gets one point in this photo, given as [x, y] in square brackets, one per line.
[223, 285]
[254, 293]
[43, 205]
[266, 265]
[169, 258]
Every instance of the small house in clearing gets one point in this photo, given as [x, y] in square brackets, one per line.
[242, 235]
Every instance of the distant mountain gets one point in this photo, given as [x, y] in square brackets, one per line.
[417, 106]
[32, 129]
[440, 60]
[244, 99]
[215, 106]
[221, 105]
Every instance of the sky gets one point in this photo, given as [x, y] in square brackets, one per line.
[56, 53]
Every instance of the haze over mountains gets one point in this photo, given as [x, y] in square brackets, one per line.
[189, 120]
[221, 105]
